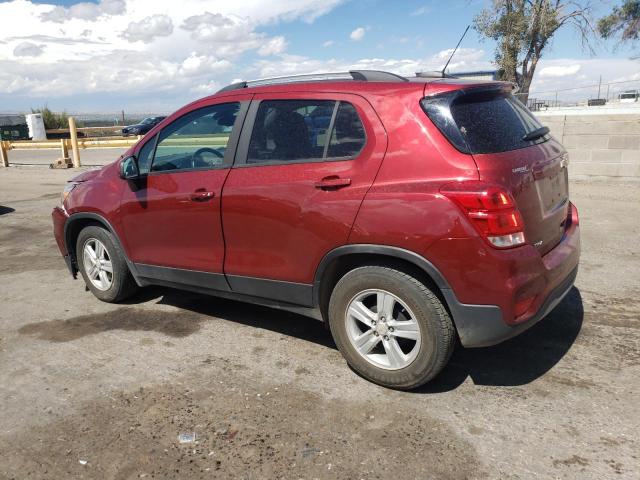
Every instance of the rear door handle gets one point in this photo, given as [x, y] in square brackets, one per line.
[329, 183]
[202, 196]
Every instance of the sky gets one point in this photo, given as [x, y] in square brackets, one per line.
[155, 56]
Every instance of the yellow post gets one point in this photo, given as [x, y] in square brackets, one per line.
[65, 150]
[4, 153]
[74, 142]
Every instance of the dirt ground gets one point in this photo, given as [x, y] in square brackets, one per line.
[92, 390]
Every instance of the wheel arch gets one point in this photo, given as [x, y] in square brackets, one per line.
[343, 259]
[76, 223]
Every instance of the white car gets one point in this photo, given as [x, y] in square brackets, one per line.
[629, 96]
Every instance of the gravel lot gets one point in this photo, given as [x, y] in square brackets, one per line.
[91, 390]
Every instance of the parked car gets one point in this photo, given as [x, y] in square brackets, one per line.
[143, 127]
[630, 96]
[404, 213]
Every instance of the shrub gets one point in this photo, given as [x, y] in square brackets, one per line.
[51, 119]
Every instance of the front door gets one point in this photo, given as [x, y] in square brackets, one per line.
[171, 217]
[304, 164]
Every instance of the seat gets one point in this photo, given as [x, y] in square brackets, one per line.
[289, 133]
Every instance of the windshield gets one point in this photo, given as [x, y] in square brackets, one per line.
[146, 121]
[483, 121]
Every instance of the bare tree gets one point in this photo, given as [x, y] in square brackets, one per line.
[524, 28]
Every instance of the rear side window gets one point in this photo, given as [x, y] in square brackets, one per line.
[305, 130]
[348, 137]
[483, 122]
[290, 130]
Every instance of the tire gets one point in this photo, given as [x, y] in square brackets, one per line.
[405, 300]
[119, 284]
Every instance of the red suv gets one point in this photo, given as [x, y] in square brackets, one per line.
[403, 212]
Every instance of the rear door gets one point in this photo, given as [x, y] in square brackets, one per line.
[304, 164]
[500, 133]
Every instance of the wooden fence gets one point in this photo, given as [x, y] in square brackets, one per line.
[73, 144]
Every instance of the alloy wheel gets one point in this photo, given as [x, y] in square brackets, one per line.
[382, 329]
[97, 264]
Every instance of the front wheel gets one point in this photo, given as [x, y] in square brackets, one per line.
[103, 266]
[390, 327]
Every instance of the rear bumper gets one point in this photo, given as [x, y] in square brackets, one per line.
[483, 326]
[507, 278]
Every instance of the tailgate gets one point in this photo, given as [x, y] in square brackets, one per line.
[537, 177]
[512, 150]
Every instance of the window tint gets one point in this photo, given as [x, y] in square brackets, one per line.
[196, 140]
[483, 122]
[290, 130]
[348, 137]
[145, 155]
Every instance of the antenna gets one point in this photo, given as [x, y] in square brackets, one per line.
[454, 51]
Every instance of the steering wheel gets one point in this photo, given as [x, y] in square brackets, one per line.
[198, 161]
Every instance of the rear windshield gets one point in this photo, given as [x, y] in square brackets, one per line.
[484, 121]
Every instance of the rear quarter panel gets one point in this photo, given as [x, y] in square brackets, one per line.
[404, 207]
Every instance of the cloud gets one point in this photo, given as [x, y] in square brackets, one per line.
[196, 64]
[96, 54]
[85, 11]
[470, 59]
[28, 49]
[231, 34]
[112, 51]
[208, 88]
[228, 33]
[560, 70]
[147, 29]
[618, 74]
[205, 26]
[273, 47]
[357, 34]
[421, 11]
[56, 40]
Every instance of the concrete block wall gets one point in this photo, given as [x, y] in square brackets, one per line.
[598, 145]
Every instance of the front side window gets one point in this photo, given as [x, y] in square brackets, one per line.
[290, 130]
[145, 155]
[197, 140]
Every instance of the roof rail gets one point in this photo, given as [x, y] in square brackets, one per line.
[359, 75]
[376, 76]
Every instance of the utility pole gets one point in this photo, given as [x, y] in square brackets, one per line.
[599, 84]
[122, 117]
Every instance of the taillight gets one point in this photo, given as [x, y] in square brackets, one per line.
[491, 209]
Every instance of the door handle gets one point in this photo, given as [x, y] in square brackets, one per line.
[329, 183]
[201, 196]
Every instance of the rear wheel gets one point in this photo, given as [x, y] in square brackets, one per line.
[103, 266]
[390, 327]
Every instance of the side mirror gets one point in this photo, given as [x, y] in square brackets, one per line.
[129, 168]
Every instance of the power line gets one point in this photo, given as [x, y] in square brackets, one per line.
[585, 86]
